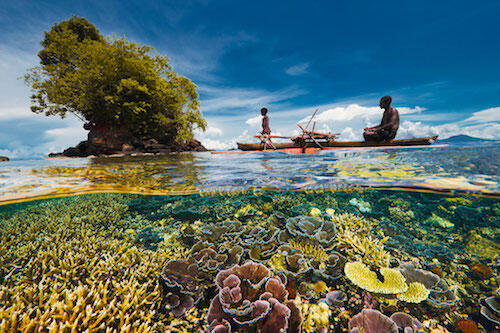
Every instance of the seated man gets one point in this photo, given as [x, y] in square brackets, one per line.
[265, 122]
[388, 127]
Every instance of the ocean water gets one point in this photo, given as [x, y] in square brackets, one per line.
[377, 240]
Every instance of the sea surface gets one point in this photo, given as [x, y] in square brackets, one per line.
[350, 240]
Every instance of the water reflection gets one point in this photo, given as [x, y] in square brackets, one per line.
[463, 169]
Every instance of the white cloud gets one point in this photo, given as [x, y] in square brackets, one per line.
[488, 115]
[15, 112]
[212, 144]
[254, 122]
[409, 129]
[298, 69]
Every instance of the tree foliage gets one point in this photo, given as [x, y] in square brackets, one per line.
[112, 81]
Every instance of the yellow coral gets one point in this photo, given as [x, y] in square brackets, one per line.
[319, 286]
[309, 250]
[416, 293]
[359, 274]
[353, 237]
[438, 220]
[330, 211]
[460, 201]
[68, 273]
[278, 263]
[314, 316]
[315, 212]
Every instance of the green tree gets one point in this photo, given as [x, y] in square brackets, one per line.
[112, 81]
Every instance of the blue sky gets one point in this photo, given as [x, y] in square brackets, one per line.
[438, 59]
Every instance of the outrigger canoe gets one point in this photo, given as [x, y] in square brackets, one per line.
[425, 141]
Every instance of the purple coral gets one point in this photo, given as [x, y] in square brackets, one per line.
[490, 308]
[372, 321]
[250, 295]
[179, 286]
[406, 322]
[335, 298]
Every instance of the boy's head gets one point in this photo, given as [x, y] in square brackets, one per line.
[263, 111]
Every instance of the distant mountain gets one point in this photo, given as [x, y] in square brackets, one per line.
[462, 138]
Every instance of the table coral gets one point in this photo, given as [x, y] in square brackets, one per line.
[392, 282]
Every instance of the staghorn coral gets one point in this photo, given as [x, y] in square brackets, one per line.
[354, 237]
[68, 271]
[388, 281]
[249, 296]
[315, 254]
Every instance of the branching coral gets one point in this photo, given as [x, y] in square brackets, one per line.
[354, 237]
[68, 268]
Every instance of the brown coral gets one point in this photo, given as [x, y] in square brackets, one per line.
[179, 286]
[250, 296]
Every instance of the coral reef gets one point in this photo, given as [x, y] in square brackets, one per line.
[313, 229]
[179, 286]
[372, 321]
[174, 263]
[316, 316]
[354, 237]
[66, 265]
[385, 281]
[407, 323]
[250, 295]
[490, 308]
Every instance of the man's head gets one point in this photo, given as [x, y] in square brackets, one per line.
[263, 111]
[385, 102]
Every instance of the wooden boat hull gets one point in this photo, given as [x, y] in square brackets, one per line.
[339, 144]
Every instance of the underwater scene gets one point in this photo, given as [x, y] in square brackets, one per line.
[349, 260]
[346, 241]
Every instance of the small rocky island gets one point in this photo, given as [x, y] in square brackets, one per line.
[4, 159]
[104, 140]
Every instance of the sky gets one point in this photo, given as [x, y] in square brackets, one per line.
[439, 60]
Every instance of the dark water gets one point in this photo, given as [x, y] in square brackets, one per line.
[308, 259]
